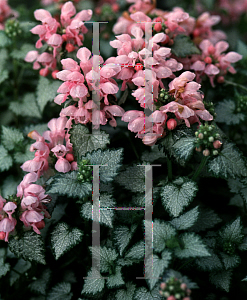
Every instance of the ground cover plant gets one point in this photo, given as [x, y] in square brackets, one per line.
[123, 150]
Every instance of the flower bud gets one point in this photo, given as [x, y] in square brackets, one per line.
[69, 47]
[199, 149]
[188, 291]
[171, 298]
[220, 79]
[2, 235]
[211, 139]
[54, 74]
[44, 72]
[215, 152]
[40, 224]
[166, 294]
[183, 286]
[211, 49]
[206, 152]
[163, 285]
[208, 60]
[217, 144]
[200, 136]
[171, 124]
[157, 27]
[186, 298]
[138, 67]
[70, 157]
[177, 296]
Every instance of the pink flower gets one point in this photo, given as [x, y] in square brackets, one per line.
[30, 218]
[7, 225]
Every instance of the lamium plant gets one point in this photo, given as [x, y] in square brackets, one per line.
[123, 150]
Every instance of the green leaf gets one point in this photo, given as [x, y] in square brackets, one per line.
[143, 294]
[11, 137]
[21, 157]
[27, 108]
[177, 195]
[242, 48]
[84, 142]
[106, 215]
[9, 186]
[30, 247]
[243, 246]
[94, 283]
[111, 158]
[106, 257]
[186, 220]
[46, 91]
[183, 46]
[127, 294]
[171, 143]
[230, 261]
[38, 127]
[158, 267]
[133, 178]
[122, 236]
[207, 219]
[4, 267]
[63, 238]
[162, 232]
[154, 154]
[226, 113]
[192, 246]
[22, 52]
[230, 162]
[4, 39]
[136, 252]
[67, 184]
[20, 268]
[4, 74]
[221, 279]
[232, 232]
[184, 148]
[40, 285]
[209, 263]
[5, 159]
[116, 279]
[60, 291]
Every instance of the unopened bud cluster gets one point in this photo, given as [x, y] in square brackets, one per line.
[174, 289]
[164, 98]
[84, 171]
[209, 106]
[12, 28]
[241, 104]
[229, 248]
[207, 140]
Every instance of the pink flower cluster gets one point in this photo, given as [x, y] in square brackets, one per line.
[213, 62]
[67, 33]
[45, 152]
[5, 13]
[80, 81]
[28, 208]
[133, 56]
[187, 105]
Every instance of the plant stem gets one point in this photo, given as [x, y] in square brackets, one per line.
[169, 166]
[201, 166]
[133, 147]
[236, 84]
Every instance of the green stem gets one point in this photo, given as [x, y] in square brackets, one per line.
[236, 84]
[169, 166]
[201, 166]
